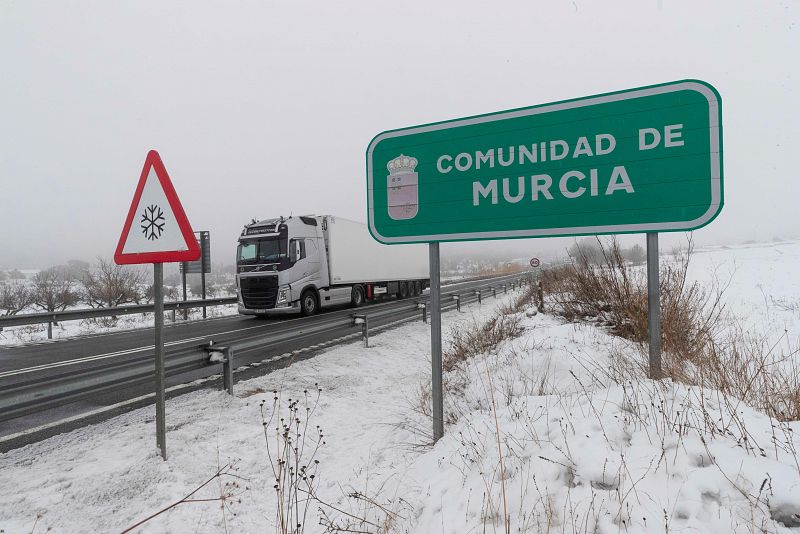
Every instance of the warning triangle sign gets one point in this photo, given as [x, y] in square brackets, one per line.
[156, 229]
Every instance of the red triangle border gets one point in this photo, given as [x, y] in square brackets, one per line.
[154, 160]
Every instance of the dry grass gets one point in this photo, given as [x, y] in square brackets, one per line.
[467, 343]
[701, 344]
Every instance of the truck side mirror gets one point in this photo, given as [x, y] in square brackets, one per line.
[294, 253]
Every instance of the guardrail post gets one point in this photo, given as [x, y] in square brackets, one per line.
[50, 330]
[478, 292]
[458, 302]
[224, 355]
[363, 320]
[227, 370]
[424, 308]
[494, 291]
[505, 289]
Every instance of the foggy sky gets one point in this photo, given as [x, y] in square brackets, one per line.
[266, 108]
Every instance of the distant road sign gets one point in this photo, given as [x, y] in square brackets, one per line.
[156, 229]
[535, 262]
[196, 267]
[641, 160]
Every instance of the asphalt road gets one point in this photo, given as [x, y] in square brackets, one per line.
[95, 354]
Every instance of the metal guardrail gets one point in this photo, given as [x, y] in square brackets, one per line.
[132, 309]
[38, 394]
[92, 313]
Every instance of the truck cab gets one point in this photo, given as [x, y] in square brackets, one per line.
[276, 261]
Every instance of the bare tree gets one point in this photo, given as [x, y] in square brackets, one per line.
[52, 290]
[107, 284]
[14, 297]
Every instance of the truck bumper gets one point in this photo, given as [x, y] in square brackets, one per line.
[293, 308]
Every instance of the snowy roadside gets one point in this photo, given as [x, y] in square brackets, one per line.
[584, 448]
[104, 477]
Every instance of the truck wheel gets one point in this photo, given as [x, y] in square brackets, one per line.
[358, 296]
[417, 288]
[402, 292]
[308, 303]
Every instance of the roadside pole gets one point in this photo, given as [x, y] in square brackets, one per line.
[436, 343]
[203, 272]
[183, 279]
[653, 305]
[158, 294]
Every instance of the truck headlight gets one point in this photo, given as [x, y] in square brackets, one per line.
[283, 295]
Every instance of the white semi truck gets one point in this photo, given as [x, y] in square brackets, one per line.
[303, 264]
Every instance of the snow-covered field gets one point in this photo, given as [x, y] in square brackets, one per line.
[543, 435]
[763, 287]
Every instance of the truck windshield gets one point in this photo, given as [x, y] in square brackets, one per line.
[262, 250]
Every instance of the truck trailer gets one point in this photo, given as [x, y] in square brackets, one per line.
[303, 264]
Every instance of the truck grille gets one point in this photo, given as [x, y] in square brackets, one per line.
[259, 292]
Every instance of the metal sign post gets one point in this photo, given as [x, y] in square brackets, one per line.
[203, 246]
[436, 343]
[200, 266]
[158, 302]
[653, 305]
[183, 279]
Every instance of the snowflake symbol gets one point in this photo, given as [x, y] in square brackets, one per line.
[152, 222]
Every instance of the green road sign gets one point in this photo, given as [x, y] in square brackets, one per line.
[642, 160]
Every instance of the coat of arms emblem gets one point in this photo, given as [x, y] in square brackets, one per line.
[402, 188]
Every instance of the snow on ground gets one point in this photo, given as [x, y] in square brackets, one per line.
[763, 289]
[580, 452]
